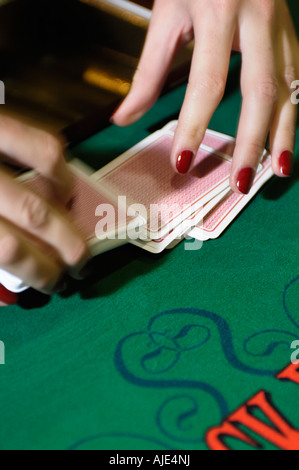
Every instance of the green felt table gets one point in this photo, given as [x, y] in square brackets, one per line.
[151, 352]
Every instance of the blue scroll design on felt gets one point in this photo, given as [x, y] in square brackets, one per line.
[158, 377]
[294, 282]
[149, 359]
[168, 337]
[273, 338]
[156, 443]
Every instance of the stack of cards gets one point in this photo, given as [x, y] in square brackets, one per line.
[139, 199]
[200, 205]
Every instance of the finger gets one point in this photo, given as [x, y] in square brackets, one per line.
[283, 129]
[24, 260]
[169, 29]
[259, 89]
[205, 90]
[36, 149]
[282, 136]
[34, 215]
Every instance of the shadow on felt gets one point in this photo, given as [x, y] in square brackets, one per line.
[277, 187]
[108, 273]
[114, 269]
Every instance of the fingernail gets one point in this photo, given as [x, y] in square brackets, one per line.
[60, 286]
[86, 271]
[184, 161]
[7, 297]
[286, 163]
[83, 270]
[111, 119]
[245, 180]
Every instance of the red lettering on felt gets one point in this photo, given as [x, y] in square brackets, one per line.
[290, 373]
[282, 434]
[215, 436]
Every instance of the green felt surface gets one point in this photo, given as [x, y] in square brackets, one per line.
[151, 351]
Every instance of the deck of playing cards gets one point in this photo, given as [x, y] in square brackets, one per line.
[199, 205]
[139, 199]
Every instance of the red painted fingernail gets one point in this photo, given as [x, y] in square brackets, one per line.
[7, 297]
[286, 163]
[245, 180]
[111, 119]
[184, 161]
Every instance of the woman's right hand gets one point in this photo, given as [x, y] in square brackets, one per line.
[23, 213]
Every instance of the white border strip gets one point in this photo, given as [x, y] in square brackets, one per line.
[138, 10]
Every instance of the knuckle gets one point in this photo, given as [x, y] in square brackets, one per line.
[289, 76]
[267, 88]
[267, 8]
[288, 134]
[35, 211]
[139, 72]
[193, 133]
[255, 149]
[212, 84]
[225, 7]
[9, 250]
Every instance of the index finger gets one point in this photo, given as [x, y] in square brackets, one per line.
[205, 89]
[38, 149]
[34, 215]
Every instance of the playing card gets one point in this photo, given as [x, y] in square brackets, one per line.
[224, 144]
[144, 175]
[101, 222]
[176, 235]
[214, 142]
[138, 198]
[12, 283]
[227, 210]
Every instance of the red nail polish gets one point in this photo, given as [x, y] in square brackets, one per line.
[245, 180]
[184, 161]
[7, 297]
[286, 163]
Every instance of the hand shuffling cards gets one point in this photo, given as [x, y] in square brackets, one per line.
[139, 199]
